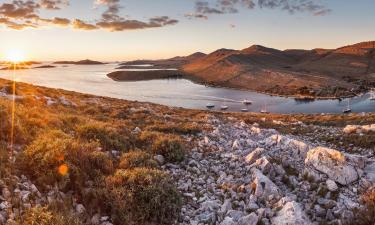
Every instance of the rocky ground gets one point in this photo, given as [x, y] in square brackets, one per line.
[242, 174]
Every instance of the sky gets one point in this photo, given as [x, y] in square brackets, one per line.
[118, 30]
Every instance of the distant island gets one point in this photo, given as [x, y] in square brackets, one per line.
[317, 73]
[81, 62]
[44, 67]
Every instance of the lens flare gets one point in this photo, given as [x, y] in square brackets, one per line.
[15, 56]
[63, 169]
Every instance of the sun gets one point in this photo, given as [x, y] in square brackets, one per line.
[15, 56]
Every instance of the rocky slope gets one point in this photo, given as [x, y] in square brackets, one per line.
[339, 72]
[242, 174]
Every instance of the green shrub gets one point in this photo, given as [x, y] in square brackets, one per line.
[108, 137]
[142, 195]
[47, 216]
[171, 147]
[133, 159]
[55, 157]
[176, 128]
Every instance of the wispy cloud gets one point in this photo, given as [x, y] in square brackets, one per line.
[203, 8]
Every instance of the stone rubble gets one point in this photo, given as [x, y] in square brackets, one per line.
[242, 174]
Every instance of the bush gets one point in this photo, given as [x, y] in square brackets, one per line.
[47, 216]
[108, 137]
[171, 147]
[366, 213]
[142, 195]
[176, 128]
[135, 159]
[55, 156]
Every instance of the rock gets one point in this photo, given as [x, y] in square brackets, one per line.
[264, 187]
[235, 214]
[235, 145]
[137, 130]
[6, 193]
[291, 214]
[264, 165]
[225, 207]
[80, 209]
[95, 220]
[160, 159]
[251, 219]
[254, 155]
[2, 219]
[331, 185]
[228, 221]
[291, 146]
[369, 171]
[332, 163]
[349, 129]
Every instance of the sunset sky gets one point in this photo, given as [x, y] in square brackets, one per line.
[130, 29]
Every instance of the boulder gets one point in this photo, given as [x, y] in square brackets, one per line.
[160, 159]
[331, 185]
[332, 163]
[291, 146]
[263, 187]
[228, 221]
[251, 219]
[291, 214]
[350, 129]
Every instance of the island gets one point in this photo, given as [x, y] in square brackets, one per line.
[304, 74]
[81, 62]
[145, 75]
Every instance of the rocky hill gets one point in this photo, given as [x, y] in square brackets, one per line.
[340, 72]
[82, 159]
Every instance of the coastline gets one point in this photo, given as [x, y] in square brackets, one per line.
[128, 76]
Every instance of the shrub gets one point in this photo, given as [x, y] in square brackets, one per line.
[135, 159]
[142, 195]
[55, 156]
[108, 137]
[4, 160]
[366, 213]
[171, 147]
[176, 128]
[47, 216]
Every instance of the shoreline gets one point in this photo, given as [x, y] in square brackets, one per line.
[116, 76]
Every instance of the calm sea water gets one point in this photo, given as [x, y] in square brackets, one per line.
[92, 79]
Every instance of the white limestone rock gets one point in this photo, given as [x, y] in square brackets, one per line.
[332, 163]
[291, 214]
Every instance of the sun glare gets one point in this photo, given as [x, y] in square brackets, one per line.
[15, 56]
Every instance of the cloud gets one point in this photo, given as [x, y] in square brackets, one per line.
[81, 25]
[53, 4]
[63, 22]
[205, 7]
[112, 21]
[16, 26]
[135, 24]
[19, 10]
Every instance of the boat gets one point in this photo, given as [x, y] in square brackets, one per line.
[264, 109]
[372, 96]
[347, 109]
[244, 110]
[210, 105]
[224, 107]
[247, 102]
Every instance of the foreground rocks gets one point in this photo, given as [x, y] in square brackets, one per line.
[242, 174]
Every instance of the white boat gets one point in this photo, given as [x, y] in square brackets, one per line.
[224, 107]
[264, 109]
[347, 109]
[247, 102]
[210, 105]
[372, 96]
[244, 110]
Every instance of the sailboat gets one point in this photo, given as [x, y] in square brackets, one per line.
[372, 95]
[247, 102]
[210, 105]
[224, 106]
[347, 109]
[264, 109]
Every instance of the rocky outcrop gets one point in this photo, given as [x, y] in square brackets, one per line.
[336, 165]
[264, 188]
[350, 129]
[291, 214]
